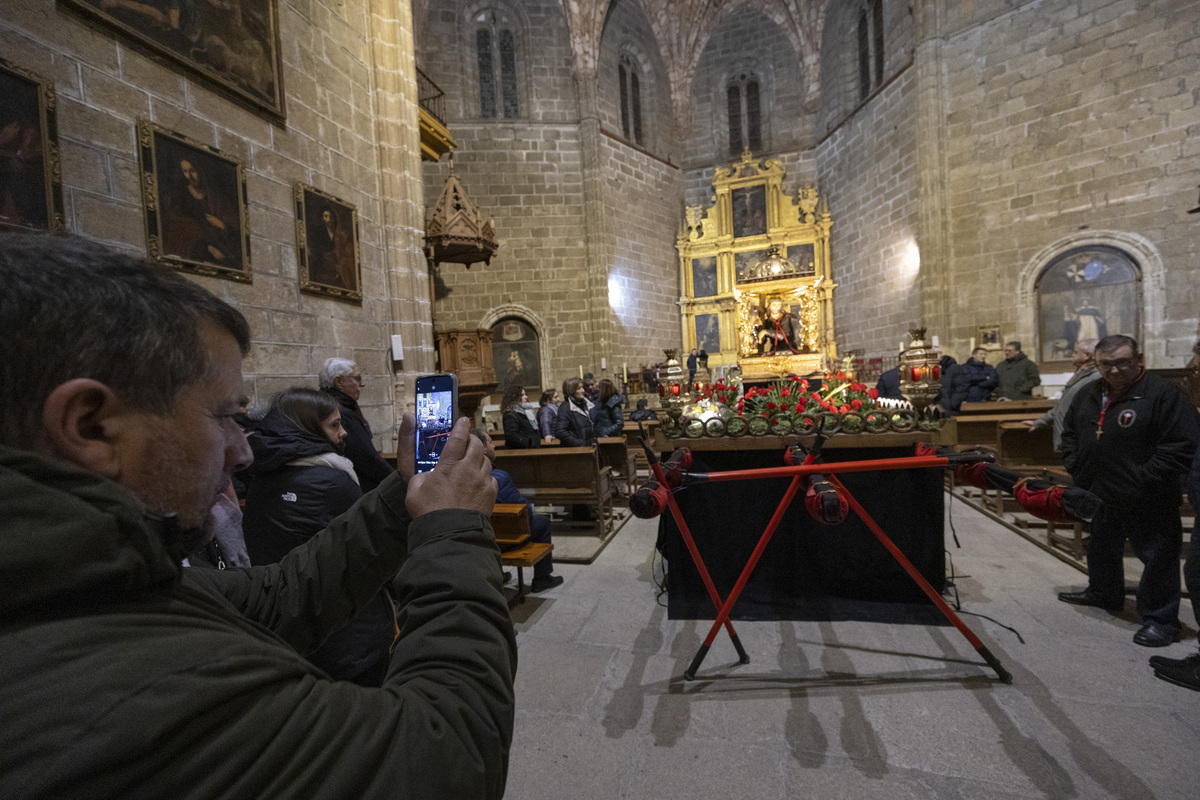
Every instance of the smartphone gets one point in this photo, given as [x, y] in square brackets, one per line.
[437, 409]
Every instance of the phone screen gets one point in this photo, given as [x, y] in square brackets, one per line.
[436, 410]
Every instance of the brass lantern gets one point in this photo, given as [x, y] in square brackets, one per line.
[672, 385]
[920, 371]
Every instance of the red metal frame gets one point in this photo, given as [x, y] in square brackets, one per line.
[796, 472]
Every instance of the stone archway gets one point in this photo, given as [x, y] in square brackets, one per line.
[534, 320]
[1154, 288]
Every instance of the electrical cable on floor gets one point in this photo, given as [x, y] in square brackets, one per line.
[952, 583]
[950, 516]
[662, 585]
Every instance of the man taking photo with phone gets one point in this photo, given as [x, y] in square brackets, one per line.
[123, 674]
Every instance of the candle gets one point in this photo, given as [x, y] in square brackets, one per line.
[972, 344]
[625, 370]
[935, 341]
[603, 363]
[581, 371]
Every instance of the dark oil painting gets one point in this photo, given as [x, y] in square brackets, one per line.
[233, 44]
[749, 211]
[195, 204]
[30, 175]
[327, 245]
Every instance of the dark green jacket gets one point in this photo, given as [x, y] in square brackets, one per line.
[1017, 375]
[122, 675]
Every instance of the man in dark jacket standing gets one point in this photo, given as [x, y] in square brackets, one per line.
[970, 382]
[342, 378]
[1128, 438]
[1017, 374]
[124, 675]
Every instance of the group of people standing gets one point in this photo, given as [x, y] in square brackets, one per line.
[589, 410]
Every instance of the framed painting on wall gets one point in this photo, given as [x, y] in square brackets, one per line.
[744, 261]
[803, 258]
[704, 276]
[989, 337]
[516, 355]
[1086, 293]
[327, 245]
[231, 44]
[30, 173]
[749, 211]
[194, 202]
[708, 333]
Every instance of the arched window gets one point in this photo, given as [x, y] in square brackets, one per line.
[1087, 293]
[516, 354]
[870, 47]
[631, 99]
[496, 58]
[745, 113]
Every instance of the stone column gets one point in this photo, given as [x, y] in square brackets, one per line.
[936, 278]
[597, 328]
[402, 204]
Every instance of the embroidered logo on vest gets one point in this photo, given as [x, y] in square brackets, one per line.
[289, 497]
[1127, 418]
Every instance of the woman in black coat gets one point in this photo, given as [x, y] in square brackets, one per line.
[298, 483]
[573, 423]
[519, 431]
[607, 417]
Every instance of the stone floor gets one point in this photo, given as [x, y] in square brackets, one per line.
[848, 709]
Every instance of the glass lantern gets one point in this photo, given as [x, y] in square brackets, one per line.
[920, 372]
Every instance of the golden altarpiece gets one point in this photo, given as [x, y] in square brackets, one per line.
[754, 268]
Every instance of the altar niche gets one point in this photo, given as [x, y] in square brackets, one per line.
[754, 267]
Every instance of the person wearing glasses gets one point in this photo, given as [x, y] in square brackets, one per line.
[342, 379]
[1128, 438]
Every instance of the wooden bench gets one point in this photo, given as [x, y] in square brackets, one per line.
[510, 522]
[633, 439]
[562, 475]
[616, 454]
[983, 428]
[1032, 408]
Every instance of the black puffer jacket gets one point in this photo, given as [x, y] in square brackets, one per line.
[519, 432]
[359, 445]
[289, 502]
[573, 426]
[607, 417]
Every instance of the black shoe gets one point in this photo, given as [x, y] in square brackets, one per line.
[542, 584]
[1183, 672]
[1158, 662]
[1088, 598]
[507, 576]
[1156, 634]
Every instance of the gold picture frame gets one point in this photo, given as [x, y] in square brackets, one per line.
[233, 48]
[194, 203]
[990, 338]
[31, 196]
[327, 245]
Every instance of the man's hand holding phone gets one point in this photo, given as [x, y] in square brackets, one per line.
[461, 479]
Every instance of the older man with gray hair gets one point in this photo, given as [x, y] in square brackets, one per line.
[341, 378]
[1085, 373]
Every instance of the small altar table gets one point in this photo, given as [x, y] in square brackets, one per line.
[809, 571]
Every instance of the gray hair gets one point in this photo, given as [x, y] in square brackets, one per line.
[71, 308]
[334, 368]
[1088, 345]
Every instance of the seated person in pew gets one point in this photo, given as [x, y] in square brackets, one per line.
[970, 382]
[642, 414]
[539, 524]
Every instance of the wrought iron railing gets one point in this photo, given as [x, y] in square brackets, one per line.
[430, 97]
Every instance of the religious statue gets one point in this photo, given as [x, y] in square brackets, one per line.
[777, 329]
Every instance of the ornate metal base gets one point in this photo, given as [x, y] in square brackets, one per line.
[759, 368]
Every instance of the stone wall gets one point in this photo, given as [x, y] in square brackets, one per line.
[642, 212]
[746, 41]
[1067, 123]
[330, 141]
[868, 172]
